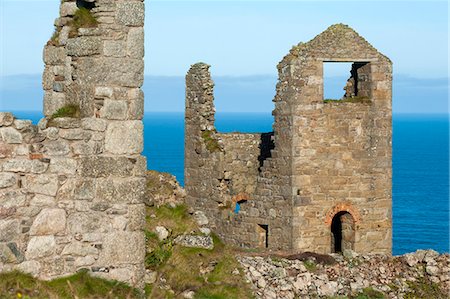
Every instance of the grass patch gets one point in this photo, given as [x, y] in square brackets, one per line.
[210, 141]
[158, 256]
[72, 111]
[424, 288]
[184, 268]
[310, 265]
[363, 100]
[80, 285]
[370, 293]
[82, 18]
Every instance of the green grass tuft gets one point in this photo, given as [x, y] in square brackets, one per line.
[363, 100]
[80, 285]
[72, 111]
[159, 255]
[82, 18]
[370, 293]
[310, 265]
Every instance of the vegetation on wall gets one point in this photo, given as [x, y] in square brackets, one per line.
[212, 144]
[357, 99]
[71, 110]
[82, 18]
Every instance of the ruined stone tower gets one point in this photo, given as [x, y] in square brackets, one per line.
[71, 189]
[322, 180]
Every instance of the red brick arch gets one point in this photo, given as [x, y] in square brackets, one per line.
[342, 207]
[239, 197]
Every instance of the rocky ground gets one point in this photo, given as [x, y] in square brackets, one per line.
[422, 274]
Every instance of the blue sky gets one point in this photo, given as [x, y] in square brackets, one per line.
[248, 38]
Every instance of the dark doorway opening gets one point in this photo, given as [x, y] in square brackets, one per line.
[263, 234]
[342, 232]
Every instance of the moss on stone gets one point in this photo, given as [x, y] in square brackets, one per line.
[212, 144]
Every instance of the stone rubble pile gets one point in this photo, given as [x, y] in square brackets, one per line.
[283, 278]
[163, 188]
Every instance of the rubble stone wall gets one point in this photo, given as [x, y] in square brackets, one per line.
[323, 158]
[72, 188]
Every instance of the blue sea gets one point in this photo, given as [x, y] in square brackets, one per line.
[420, 168]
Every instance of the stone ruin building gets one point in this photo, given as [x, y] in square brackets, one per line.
[65, 200]
[321, 181]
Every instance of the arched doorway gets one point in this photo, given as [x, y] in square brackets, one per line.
[342, 232]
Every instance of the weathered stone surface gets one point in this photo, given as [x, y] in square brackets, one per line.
[43, 201]
[111, 70]
[9, 230]
[22, 124]
[114, 48]
[63, 165]
[122, 247]
[200, 218]
[94, 124]
[79, 249]
[104, 166]
[7, 180]
[124, 137]
[83, 46]
[42, 184]
[67, 9]
[83, 223]
[31, 267]
[118, 190]
[54, 55]
[135, 42]
[53, 101]
[130, 13]
[49, 222]
[6, 119]
[25, 166]
[56, 148]
[12, 198]
[10, 135]
[162, 232]
[205, 242]
[114, 110]
[104, 92]
[41, 246]
[6, 255]
[74, 134]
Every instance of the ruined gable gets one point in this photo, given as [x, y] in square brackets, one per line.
[322, 180]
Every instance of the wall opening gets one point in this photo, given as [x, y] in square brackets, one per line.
[85, 4]
[237, 208]
[346, 80]
[263, 235]
[342, 232]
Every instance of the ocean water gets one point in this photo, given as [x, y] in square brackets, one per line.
[420, 168]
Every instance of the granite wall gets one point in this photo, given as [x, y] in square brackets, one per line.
[72, 187]
[322, 177]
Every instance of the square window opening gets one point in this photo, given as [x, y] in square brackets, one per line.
[346, 81]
